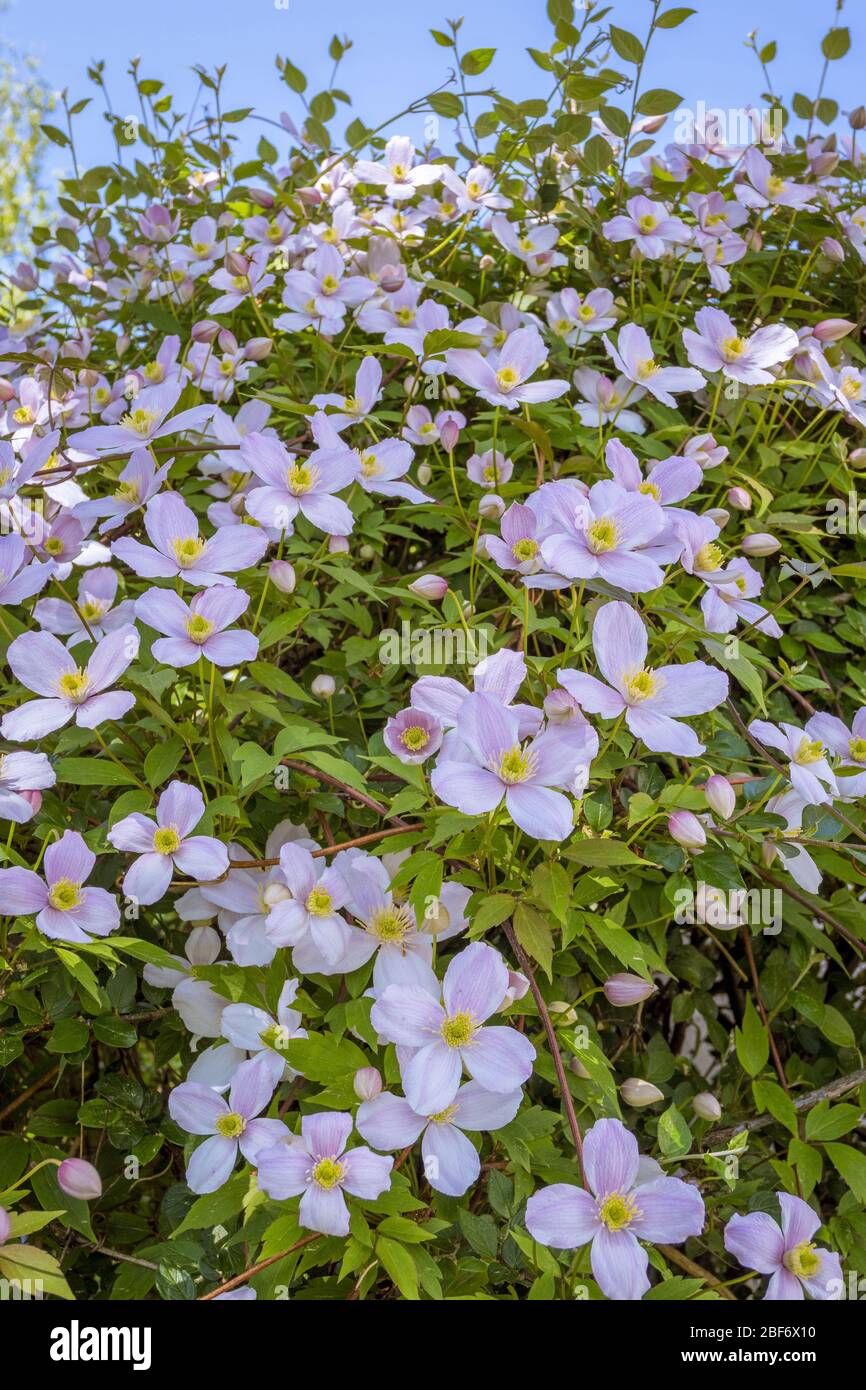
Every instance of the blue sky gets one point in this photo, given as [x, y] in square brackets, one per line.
[393, 59]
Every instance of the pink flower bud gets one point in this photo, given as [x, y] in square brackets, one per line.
[310, 196]
[236, 264]
[204, 331]
[706, 1106]
[687, 830]
[824, 163]
[33, 798]
[833, 249]
[576, 1065]
[5, 1225]
[719, 516]
[486, 263]
[449, 435]
[761, 543]
[121, 344]
[7, 390]
[755, 241]
[740, 499]
[638, 1093]
[624, 990]
[227, 341]
[721, 797]
[257, 349]
[282, 576]
[338, 545]
[262, 197]
[367, 1083]
[324, 687]
[392, 278]
[831, 330]
[560, 707]
[491, 506]
[430, 586]
[78, 1178]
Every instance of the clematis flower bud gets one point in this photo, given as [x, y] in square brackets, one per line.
[449, 435]
[262, 197]
[491, 506]
[204, 331]
[719, 516]
[706, 1106]
[366, 553]
[367, 1083]
[560, 707]
[5, 1225]
[739, 498]
[833, 249]
[227, 341]
[687, 830]
[310, 196]
[78, 1178]
[721, 797]
[236, 263]
[324, 687]
[338, 545]
[425, 473]
[824, 163]
[7, 390]
[33, 798]
[392, 278]
[257, 349]
[486, 262]
[624, 990]
[857, 118]
[431, 586]
[638, 1093]
[831, 330]
[576, 1065]
[282, 576]
[761, 543]
[121, 344]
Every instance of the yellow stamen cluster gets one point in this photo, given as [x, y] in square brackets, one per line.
[64, 894]
[319, 903]
[231, 1126]
[73, 685]
[602, 535]
[329, 1173]
[300, 478]
[458, 1029]
[414, 738]
[811, 750]
[709, 557]
[506, 378]
[617, 1211]
[166, 840]
[516, 765]
[392, 924]
[524, 549]
[639, 685]
[803, 1261]
[139, 421]
[199, 629]
[186, 550]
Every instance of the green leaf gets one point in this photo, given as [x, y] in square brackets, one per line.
[216, 1208]
[445, 104]
[477, 60]
[658, 102]
[601, 854]
[94, 772]
[834, 45]
[163, 760]
[400, 1266]
[534, 934]
[831, 1122]
[114, 1031]
[674, 1135]
[31, 1267]
[69, 1035]
[753, 1045]
[851, 1164]
[325, 1058]
[669, 19]
[770, 1096]
[626, 45]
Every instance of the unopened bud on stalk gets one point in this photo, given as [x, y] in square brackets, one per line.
[204, 331]
[33, 798]
[449, 435]
[367, 1083]
[262, 197]
[638, 1093]
[430, 586]
[706, 1106]
[687, 830]
[392, 278]
[78, 1178]
[88, 377]
[719, 515]
[282, 576]
[7, 390]
[491, 506]
[338, 545]
[831, 330]
[366, 553]
[721, 797]
[756, 241]
[121, 344]
[824, 163]
[833, 249]
[857, 118]
[310, 196]
[238, 504]
[324, 687]
[625, 990]
[560, 707]
[857, 457]
[563, 1011]
[237, 263]
[257, 349]
[424, 474]
[768, 853]
[5, 1225]
[761, 543]
[227, 341]
[576, 1065]
[739, 498]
